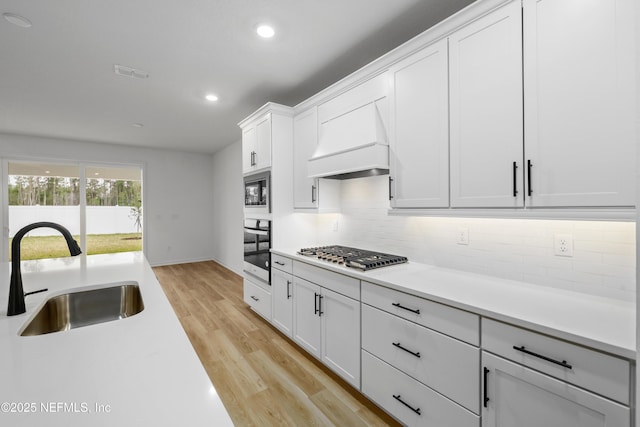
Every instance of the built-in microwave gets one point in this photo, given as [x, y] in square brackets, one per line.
[257, 193]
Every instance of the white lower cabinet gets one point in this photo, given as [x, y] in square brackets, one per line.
[410, 401]
[515, 395]
[282, 301]
[441, 362]
[327, 325]
[306, 321]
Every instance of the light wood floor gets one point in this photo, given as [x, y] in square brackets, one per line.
[262, 378]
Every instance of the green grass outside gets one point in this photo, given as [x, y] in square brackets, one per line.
[37, 247]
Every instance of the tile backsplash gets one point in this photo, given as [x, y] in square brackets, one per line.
[603, 261]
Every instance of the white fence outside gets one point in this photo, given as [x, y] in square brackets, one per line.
[100, 219]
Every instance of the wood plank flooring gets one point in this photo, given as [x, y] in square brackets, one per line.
[262, 377]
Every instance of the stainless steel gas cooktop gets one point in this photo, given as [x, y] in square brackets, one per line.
[353, 257]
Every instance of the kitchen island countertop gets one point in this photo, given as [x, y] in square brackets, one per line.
[604, 324]
[139, 371]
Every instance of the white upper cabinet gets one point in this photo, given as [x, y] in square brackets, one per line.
[486, 111]
[256, 145]
[579, 86]
[419, 129]
[305, 141]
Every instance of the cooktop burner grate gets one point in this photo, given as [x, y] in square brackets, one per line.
[353, 257]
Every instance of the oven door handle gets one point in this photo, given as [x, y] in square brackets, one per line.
[256, 231]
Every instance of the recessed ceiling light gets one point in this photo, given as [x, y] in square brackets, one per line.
[137, 125]
[211, 97]
[96, 173]
[265, 31]
[18, 20]
[47, 171]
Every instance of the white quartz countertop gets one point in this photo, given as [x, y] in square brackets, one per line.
[604, 324]
[138, 371]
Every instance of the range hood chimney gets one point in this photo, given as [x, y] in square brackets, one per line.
[352, 145]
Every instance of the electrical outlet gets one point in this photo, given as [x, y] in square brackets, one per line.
[563, 245]
[335, 225]
[463, 236]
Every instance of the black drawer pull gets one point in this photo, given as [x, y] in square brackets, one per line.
[315, 303]
[288, 289]
[564, 363]
[254, 298]
[529, 189]
[397, 344]
[279, 263]
[486, 396]
[399, 399]
[390, 181]
[515, 179]
[397, 304]
[320, 312]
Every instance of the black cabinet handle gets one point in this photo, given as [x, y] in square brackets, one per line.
[278, 262]
[515, 180]
[288, 289]
[315, 303]
[313, 194]
[397, 344]
[254, 298]
[396, 304]
[399, 399]
[529, 166]
[522, 349]
[390, 181]
[486, 397]
[320, 312]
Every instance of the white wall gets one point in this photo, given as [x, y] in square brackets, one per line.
[227, 218]
[604, 252]
[177, 216]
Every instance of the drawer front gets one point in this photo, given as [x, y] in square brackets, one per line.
[381, 382]
[345, 285]
[445, 364]
[450, 321]
[595, 371]
[258, 298]
[282, 263]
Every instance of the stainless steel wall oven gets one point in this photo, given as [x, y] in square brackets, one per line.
[257, 242]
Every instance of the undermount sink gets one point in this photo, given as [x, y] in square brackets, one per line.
[83, 308]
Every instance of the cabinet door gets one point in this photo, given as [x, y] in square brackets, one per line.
[341, 335]
[306, 321]
[248, 149]
[518, 396]
[486, 111]
[282, 299]
[579, 102]
[263, 143]
[419, 129]
[305, 141]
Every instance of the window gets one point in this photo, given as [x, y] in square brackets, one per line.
[100, 205]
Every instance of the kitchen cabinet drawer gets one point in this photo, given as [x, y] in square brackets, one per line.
[258, 298]
[601, 373]
[393, 391]
[445, 364]
[282, 263]
[339, 283]
[450, 321]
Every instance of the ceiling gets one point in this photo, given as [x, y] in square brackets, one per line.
[57, 77]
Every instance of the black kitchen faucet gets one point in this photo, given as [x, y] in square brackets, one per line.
[16, 292]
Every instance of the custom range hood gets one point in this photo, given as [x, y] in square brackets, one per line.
[353, 144]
